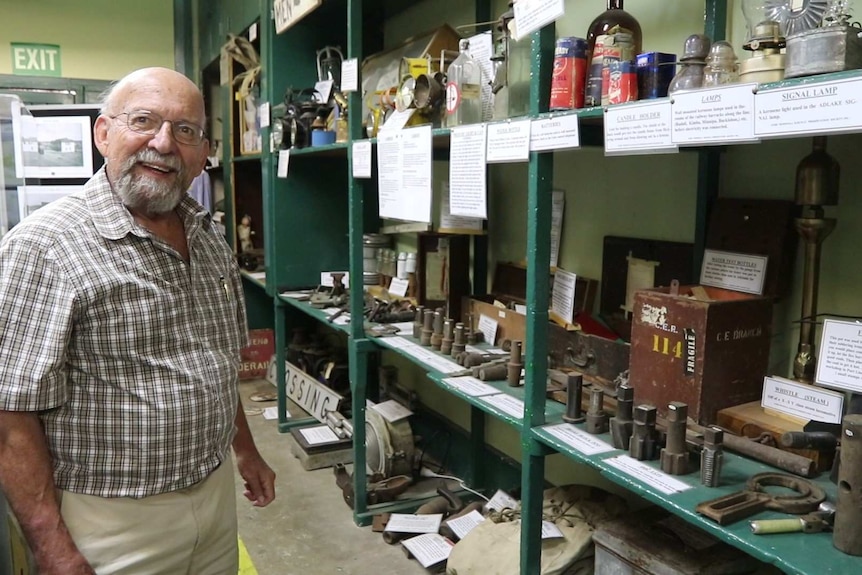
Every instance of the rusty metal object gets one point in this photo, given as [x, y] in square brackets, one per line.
[621, 424]
[819, 440]
[754, 498]
[644, 442]
[848, 514]
[674, 456]
[448, 337]
[492, 370]
[427, 328]
[712, 457]
[460, 342]
[516, 363]
[785, 460]
[437, 333]
[418, 321]
[574, 389]
[597, 419]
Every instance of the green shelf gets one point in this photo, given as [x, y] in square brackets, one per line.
[793, 553]
[247, 158]
[313, 312]
[337, 149]
[257, 282]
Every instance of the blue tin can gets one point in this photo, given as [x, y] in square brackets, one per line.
[655, 71]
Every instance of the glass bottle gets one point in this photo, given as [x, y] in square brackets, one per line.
[614, 19]
[463, 89]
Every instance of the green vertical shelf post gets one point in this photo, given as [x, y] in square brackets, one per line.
[357, 344]
[541, 174]
[709, 159]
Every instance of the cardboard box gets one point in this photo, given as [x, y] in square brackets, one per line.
[256, 357]
[708, 353]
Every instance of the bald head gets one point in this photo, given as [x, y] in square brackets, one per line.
[163, 83]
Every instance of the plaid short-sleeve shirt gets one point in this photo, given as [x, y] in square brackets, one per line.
[128, 353]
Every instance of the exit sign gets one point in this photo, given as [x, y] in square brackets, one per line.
[36, 59]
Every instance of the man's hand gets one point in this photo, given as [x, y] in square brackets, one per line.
[259, 478]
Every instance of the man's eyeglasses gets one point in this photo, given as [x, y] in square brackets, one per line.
[149, 123]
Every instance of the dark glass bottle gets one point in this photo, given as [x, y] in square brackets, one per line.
[613, 20]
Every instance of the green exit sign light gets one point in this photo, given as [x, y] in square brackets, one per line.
[35, 59]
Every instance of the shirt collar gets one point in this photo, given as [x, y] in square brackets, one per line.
[113, 220]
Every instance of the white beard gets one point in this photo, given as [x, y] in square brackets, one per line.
[148, 195]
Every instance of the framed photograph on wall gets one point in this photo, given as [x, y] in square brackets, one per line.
[31, 198]
[52, 146]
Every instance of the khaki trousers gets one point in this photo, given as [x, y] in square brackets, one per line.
[187, 532]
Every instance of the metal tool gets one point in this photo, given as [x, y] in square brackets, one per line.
[493, 370]
[848, 514]
[786, 460]
[712, 456]
[437, 333]
[427, 328]
[460, 342]
[417, 323]
[515, 365]
[815, 522]
[597, 419]
[674, 456]
[448, 337]
[621, 424]
[817, 440]
[644, 441]
[574, 389]
[754, 498]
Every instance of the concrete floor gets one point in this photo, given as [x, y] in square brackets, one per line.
[308, 529]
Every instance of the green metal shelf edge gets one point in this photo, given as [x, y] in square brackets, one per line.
[796, 553]
[313, 312]
[337, 149]
[253, 280]
[247, 158]
[552, 408]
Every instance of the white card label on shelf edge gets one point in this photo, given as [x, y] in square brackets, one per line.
[640, 128]
[733, 271]
[819, 108]
[350, 75]
[578, 439]
[506, 403]
[508, 142]
[469, 385]
[360, 152]
[556, 133]
[283, 161]
[653, 477]
[840, 363]
[710, 116]
[801, 400]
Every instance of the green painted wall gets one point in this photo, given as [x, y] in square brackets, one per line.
[99, 39]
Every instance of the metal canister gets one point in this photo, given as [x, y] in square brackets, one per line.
[619, 47]
[570, 74]
[622, 82]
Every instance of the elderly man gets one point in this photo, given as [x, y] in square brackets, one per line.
[121, 321]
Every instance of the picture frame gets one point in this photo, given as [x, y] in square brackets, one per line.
[31, 198]
[52, 146]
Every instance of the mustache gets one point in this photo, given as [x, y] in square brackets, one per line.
[150, 156]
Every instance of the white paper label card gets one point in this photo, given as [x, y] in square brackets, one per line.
[467, 172]
[399, 287]
[551, 531]
[264, 115]
[429, 549]
[563, 294]
[500, 501]
[508, 142]
[578, 439]
[398, 120]
[714, 115]
[324, 90]
[640, 128]
[653, 477]
[350, 75]
[470, 386]
[803, 401]
[252, 32]
[361, 155]
[734, 271]
[407, 523]
[530, 15]
[558, 133]
[507, 404]
[318, 435]
[488, 327]
[840, 363]
[812, 108]
[392, 411]
[283, 161]
[461, 526]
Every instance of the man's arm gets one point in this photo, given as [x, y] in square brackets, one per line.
[27, 480]
[258, 476]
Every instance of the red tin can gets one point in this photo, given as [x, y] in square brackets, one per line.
[622, 82]
[570, 74]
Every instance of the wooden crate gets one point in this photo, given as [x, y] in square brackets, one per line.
[708, 353]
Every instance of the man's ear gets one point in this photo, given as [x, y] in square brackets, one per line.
[100, 135]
